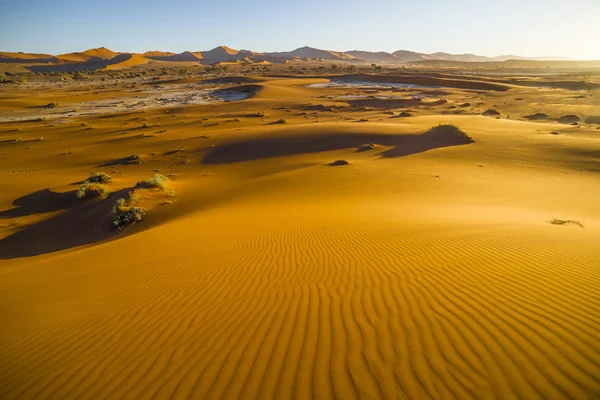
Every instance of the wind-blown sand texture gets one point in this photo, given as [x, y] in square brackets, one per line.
[425, 268]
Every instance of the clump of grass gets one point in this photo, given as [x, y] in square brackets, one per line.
[259, 114]
[453, 131]
[51, 105]
[134, 159]
[98, 177]
[279, 121]
[124, 213]
[94, 189]
[17, 140]
[556, 221]
[404, 114]
[156, 181]
[447, 128]
[146, 125]
[41, 138]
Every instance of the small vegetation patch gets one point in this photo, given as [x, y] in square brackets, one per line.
[134, 159]
[156, 181]
[92, 190]
[279, 122]
[556, 221]
[124, 213]
[99, 177]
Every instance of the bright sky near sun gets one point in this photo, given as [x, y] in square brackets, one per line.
[569, 28]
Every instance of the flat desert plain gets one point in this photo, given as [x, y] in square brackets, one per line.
[350, 236]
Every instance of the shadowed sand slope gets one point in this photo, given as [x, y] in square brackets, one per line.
[290, 144]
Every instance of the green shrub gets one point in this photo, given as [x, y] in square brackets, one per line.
[95, 189]
[156, 181]
[98, 177]
[125, 214]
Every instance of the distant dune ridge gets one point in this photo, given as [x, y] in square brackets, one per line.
[102, 57]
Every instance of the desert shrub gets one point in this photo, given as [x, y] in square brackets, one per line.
[124, 213]
[556, 221]
[98, 177]
[95, 189]
[447, 128]
[156, 181]
[453, 131]
[405, 114]
[134, 159]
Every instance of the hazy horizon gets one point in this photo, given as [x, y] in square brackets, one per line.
[532, 28]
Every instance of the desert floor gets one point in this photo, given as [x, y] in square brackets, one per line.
[425, 268]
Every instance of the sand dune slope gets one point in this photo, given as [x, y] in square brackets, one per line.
[424, 267]
[303, 286]
[312, 305]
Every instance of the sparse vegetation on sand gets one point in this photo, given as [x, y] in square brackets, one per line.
[93, 190]
[125, 213]
[99, 177]
[279, 122]
[453, 130]
[156, 181]
[556, 221]
[134, 159]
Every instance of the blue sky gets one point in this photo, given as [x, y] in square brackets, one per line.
[487, 27]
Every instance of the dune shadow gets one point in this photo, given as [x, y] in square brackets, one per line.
[81, 223]
[40, 202]
[287, 145]
[386, 104]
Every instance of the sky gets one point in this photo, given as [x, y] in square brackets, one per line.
[568, 28]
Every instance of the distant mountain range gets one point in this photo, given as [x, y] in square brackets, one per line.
[105, 58]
